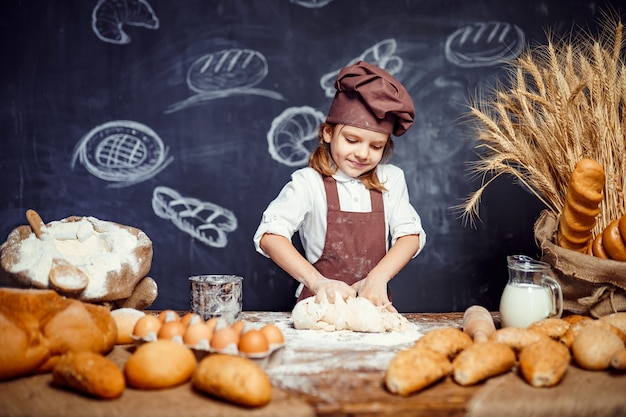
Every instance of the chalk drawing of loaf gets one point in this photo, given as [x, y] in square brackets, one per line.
[311, 4]
[207, 222]
[484, 44]
[225, 73]
[123, 152]
[293, 135]
[382, 54]
[109, 17]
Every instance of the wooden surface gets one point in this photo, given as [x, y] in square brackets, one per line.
[334, 374]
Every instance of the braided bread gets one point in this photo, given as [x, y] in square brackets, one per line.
[582, 201]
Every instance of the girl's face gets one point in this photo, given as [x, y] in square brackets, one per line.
[354, 150]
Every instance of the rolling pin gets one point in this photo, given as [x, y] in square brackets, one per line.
[478, 323]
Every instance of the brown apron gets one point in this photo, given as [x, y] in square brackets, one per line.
[355, 242]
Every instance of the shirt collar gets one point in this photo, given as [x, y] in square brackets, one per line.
[340, 176]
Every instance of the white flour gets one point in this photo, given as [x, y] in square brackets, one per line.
[310, 352]
[96, 247]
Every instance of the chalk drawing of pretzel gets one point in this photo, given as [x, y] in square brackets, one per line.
[109, 17]
[207, 222]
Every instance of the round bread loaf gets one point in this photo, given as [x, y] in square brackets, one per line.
[159, 364]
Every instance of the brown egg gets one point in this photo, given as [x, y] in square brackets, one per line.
[274, 334]
[171, 329]
[238, 326]
[211, 323]
[253, 341]
[196, 333]
[146, 325]
[223, 337]
[168, 315]
[188, 318]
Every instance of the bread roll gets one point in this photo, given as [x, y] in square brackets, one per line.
[89, 373]
[516, 338]
[594, 347]
[160, 364]
[481, 361]
[446, 340]
[234, 379]
[618, 360]
[125, 320]
[584, 195]
[414, 369]
[544, 363]
[551, 327]
[613, 241]
[570, 335]
[616, 319]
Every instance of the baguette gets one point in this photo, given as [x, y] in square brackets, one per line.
[584, 195]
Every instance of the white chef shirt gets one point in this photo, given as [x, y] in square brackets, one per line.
[301, 206]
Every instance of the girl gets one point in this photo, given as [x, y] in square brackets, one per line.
[352, 211]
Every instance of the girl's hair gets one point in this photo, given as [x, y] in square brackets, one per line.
[321, 160]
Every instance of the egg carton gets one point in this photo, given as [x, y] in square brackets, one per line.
[265, 360]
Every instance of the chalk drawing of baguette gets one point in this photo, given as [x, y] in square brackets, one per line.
[225, 73]
[109, 17]
[207, 222]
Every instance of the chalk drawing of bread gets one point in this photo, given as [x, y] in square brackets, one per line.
[484, 44]
[294, 134]
[123, 152]
[207, 222]
[109, 17]
[224, 73]
[381, 54]
[311, 4]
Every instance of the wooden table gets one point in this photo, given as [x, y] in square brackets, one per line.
[334, 374]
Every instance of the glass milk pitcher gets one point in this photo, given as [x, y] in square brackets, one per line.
[531, 293]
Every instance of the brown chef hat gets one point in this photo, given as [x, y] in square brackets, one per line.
[371, 98]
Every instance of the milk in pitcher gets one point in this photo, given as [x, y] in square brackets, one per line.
[522, 304]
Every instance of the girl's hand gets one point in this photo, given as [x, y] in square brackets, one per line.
[377, 294]
[326, 288]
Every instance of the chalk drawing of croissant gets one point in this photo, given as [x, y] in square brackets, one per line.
[382, 54]
[293, 135]
[224, 73]
[110, 16]
[207, 222]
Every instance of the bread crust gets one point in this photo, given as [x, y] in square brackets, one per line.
[446, 340]
[89, 373]
[234, 379]
[481, 361]
[544, 363]
[414, 369]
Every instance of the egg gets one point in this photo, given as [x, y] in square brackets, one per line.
[189, 317]
[168, 315]
[223, 337]
[146, 325]
[253, 341]
[274, 334]
[211, 323]
[196, 333]
[171, 329]
[238, 326]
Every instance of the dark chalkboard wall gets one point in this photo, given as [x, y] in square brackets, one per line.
[185, 118]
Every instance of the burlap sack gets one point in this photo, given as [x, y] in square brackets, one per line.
[591, 286]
